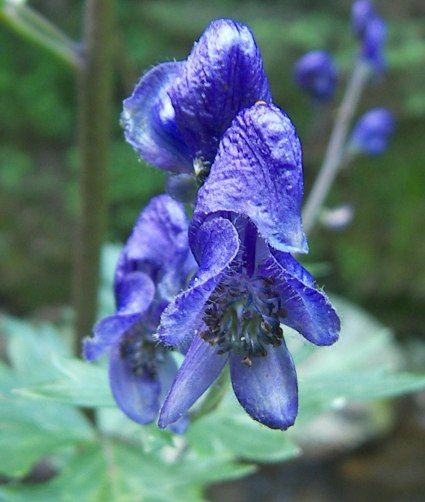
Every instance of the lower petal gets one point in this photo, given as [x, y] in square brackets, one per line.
[268, 389]
[201, 367]
[136, 395]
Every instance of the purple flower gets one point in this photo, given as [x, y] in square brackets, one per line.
[231, 313]
[315, 73]
[245, 288]
[152, 268]
[372, 132]
[179, 111]
[371, 30]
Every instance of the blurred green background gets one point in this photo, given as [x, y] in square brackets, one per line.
[377, 262]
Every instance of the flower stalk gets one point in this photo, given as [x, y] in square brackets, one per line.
[336, 146]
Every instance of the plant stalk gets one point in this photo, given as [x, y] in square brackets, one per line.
[95, 93]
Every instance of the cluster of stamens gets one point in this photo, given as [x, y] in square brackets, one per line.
[244, 319]
[141, 353]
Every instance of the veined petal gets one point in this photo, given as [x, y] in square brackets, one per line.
[309, 311]
[135, 293]
[149, 121]
[223, 74]
[107, 333]
[258, 173]
[136, 395]
[267, 390]
[158, 243]
[215, 246]
[201, 367]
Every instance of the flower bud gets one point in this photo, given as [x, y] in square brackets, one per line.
[362, 12]
[315, 73]
[372, 132]
[371, 31]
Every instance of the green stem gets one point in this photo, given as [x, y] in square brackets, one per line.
[335, 149]
[214, 396]
[33, 27]
[95, 89]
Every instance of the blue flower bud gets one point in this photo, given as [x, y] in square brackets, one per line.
[362, 12]
[374, 39]
[315, 73]
[372, 132]
[371, 31]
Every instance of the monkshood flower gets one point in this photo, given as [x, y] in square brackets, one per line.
[371, 30]
[179, 111]
[316, 73]
[372, 132]
[153, 266]
[245, 288]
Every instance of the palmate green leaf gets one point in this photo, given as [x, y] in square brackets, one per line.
[77, 383]
[32, 347]
[338, 390]
[120, 472]
[29, 429]
[114, 423]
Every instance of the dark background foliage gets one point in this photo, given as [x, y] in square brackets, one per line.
[377, 262]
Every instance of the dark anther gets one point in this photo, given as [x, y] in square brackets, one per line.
[246, 360]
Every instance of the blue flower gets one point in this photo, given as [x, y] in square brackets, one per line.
[372, 132]
[315, 72]
[179, 111]
[371, 30]
[152, 268]
[245, 288]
